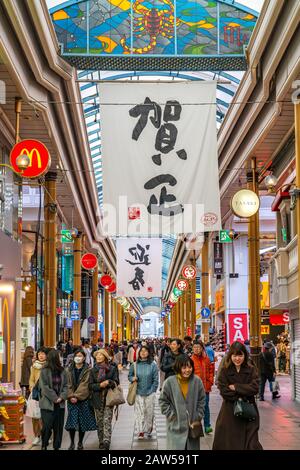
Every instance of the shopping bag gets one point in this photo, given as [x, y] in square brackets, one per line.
[33, 408]
[132, 389]
[115, 397]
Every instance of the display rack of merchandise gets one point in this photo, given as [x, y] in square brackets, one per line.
[217, 340]
[11, 415]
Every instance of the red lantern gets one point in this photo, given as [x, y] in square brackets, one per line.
[105, 281]
[112, 288]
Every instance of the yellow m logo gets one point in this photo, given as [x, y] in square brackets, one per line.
[5, 316]
[30, 155]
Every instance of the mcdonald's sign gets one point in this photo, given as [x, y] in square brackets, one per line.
[5, 322]
[38, 154]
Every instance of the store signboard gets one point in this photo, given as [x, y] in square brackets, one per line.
[218, 258]
[68, 273]
[29, 302]
[238, 327]
[279, 319]
[66, 236]
[265, 329]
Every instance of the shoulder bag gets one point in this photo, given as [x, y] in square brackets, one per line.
[132, 389]
[244, 410]
[115, 397]
[195, 430]
[36, 393]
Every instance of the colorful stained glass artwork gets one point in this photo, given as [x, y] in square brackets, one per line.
[153, 27]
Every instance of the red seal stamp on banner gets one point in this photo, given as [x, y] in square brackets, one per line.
[134, 213]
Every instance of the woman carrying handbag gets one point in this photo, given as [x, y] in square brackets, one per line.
[182, 401]
[143, 376]
[104, 376]
[238, 421]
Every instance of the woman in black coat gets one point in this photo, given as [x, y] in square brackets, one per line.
[237, 379]
[104, 375]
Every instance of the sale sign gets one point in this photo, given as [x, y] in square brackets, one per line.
[279, 319]
[238, 327]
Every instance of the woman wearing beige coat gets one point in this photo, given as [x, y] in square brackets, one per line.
[35, 373]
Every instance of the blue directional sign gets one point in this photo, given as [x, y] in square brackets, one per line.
[205, 312]
[74, 305]
[75, 315]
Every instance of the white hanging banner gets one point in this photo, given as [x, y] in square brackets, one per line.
[139, 267]
[159, 157]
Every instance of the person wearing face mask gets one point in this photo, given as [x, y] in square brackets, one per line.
[104, 375]
[182, 401]
[80, 416]
[237, 379]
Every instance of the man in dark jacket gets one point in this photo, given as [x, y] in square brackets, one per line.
[169, 358]
[267, 370]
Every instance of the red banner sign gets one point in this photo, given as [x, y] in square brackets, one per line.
[189, 272]
[89, 261]
[38, 154]
[279, 319]
[238, 327]
[182, 284]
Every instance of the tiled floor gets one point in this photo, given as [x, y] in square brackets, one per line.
[280, 425]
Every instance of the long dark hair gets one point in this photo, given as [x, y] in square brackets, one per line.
[238, 349]
[53, 361]
[179, 343]
[149, 358]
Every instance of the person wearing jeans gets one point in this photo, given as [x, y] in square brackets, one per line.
[205, 370]
[267, 371]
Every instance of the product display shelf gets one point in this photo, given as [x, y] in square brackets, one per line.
[11, 416]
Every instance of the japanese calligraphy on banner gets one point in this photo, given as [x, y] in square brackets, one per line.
[159, 156]
[139, 267]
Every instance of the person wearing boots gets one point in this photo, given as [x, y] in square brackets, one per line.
[267, 371]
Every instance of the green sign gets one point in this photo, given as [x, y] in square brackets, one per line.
[1, 344]
[66, 236]
[224, 236]
[68, 273]
[284, 234]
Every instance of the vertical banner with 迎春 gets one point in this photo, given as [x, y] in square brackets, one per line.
[159, 157]
[139, 267]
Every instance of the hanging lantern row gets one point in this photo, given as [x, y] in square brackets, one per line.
[108, 283]
[180, 286]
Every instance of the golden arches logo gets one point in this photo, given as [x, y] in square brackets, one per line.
[5, 316]
[30, 153]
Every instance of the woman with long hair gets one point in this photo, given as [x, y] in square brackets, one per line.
[104, 375]
[145, 372]
[35, 373]
[80, 416]
[25, 371]
[175, 350]
[238, 379]
[182, 401]
[54, 392]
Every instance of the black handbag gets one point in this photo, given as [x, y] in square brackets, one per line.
[36, 393]
[245, 410]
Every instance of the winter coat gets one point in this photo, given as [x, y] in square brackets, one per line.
[98, 394]
[267, 365]
[168, 363]
[205, 370]
[48, 394]
[25, 373]
[81, 392]
[147, 375]
[35, 373]
[130, 355]
[234, 433]
[175, 407]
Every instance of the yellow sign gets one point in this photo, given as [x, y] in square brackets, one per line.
[29, 303]
[264, 296]
[30, 153]
[5, 316]
[265, 329]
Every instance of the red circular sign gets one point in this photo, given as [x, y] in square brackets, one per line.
[112, 288]
[89, 261]
[182, 284]
[189, 272]
[105, 281]
[38, 154]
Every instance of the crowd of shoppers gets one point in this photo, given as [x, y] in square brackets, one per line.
[77, 380]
